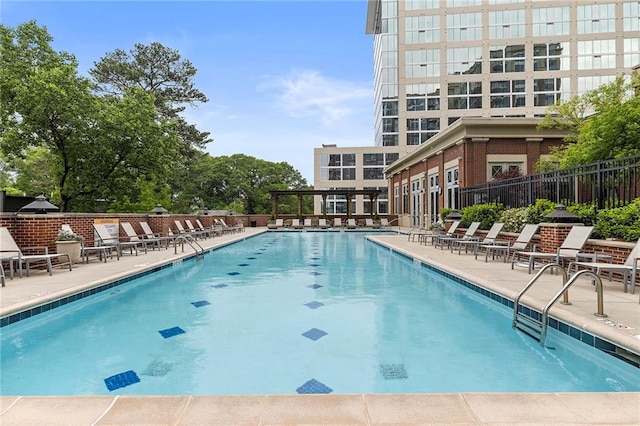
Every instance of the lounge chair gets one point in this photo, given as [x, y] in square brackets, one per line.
[232, 229]
[211, 232]
[351, 224]
[132, 236]
[490, 238]
[181, 229]
[441, 240]
[369, 223]
[278, 224]
[295, 224]
[628, 269]
[102, 252]
[502, 248]
[197, 233]
[437, 236]
[337, 222]
[384, 222]
[155, 239]
[106, 239]
[568, 250]
[307, 223]
[469, 235]
[322, 223]
[11, 252]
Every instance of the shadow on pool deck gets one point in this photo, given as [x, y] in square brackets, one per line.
[407, 409]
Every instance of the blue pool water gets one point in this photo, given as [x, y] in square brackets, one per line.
[283, 313]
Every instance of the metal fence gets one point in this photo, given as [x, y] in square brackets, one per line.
[607, 184]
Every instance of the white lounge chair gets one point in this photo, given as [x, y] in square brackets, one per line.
[351, 224]
[155, 239]
[502, 248]
[279, 223]
[490, 238]
[322, 223]
[568, 250]
[337, 222]
[307, 223]
[11, 252]
[384, 222]
[197, 233]
[629, 268]
[132, 236]
[106, 239]
[102, 252]
[295, 224]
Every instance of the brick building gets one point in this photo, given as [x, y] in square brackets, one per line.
[469, 152]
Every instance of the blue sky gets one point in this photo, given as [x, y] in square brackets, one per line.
[282, 77]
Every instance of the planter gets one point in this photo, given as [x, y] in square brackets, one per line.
[70, 247]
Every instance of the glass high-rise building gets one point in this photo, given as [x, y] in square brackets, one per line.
[436, 61]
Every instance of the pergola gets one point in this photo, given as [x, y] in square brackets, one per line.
[348, 193]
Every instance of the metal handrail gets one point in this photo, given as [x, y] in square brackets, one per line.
[516, 301]
[600, 307]
[189, 240]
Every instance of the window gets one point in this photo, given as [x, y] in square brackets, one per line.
[405, 198]
[422, 63]
[390, 108]
[596, 54]
[419, 130]
[631, 16]
[506, 24]
[389, 125]
[506, 58]
[596, 18]
[504, 170]
[507, 94]
[631, 51]
[465, 95]
[452, 188]
[382, 201]
[421, 4]
[390, 140]
[464, 26]
[551, 56]
[463, 3]
[586, 84]
[551, 21]
[421, 97]
[396, 199]
[464, 60]
[337, 204]
[422, 29]
[338, 167]
[547, 91]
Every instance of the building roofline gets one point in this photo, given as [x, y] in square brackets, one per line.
[474, 127]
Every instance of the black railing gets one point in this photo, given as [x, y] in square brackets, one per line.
[607, 184]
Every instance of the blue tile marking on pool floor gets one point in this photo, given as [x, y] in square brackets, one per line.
[200, 303]
[251, 258]
[314, 264]
[316, 273]
[170, 332]
[314, 258]
[121, 380]
[314, 334]
[393, 371]
[314, 304]
[314, 286]
[233, 273]
[218, 286]
[243, 264]
[314, 386]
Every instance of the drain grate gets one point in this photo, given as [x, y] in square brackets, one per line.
[393, 371]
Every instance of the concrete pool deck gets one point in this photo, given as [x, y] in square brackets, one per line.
[621, 327]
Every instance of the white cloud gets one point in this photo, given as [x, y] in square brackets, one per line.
[308, 93]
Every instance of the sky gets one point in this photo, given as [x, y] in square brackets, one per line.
[282, 77]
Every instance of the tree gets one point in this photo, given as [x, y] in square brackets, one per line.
[612, 131]
[158, 70]
[98, 145]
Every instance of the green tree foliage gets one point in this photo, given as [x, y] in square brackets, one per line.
[612, 131]
[222, 182]
[98, 145]
[36, 172]
[158, 70]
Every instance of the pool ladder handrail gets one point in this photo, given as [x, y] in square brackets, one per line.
[191, 241]
[531, 326]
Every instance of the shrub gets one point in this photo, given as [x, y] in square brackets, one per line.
[444, 212]
[486, 214]
[65, 235]
[621, 223]
[537, 212]
[514, 219]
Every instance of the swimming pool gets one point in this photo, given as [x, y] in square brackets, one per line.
[293, 312]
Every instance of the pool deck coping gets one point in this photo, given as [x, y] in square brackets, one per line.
[335, 409]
